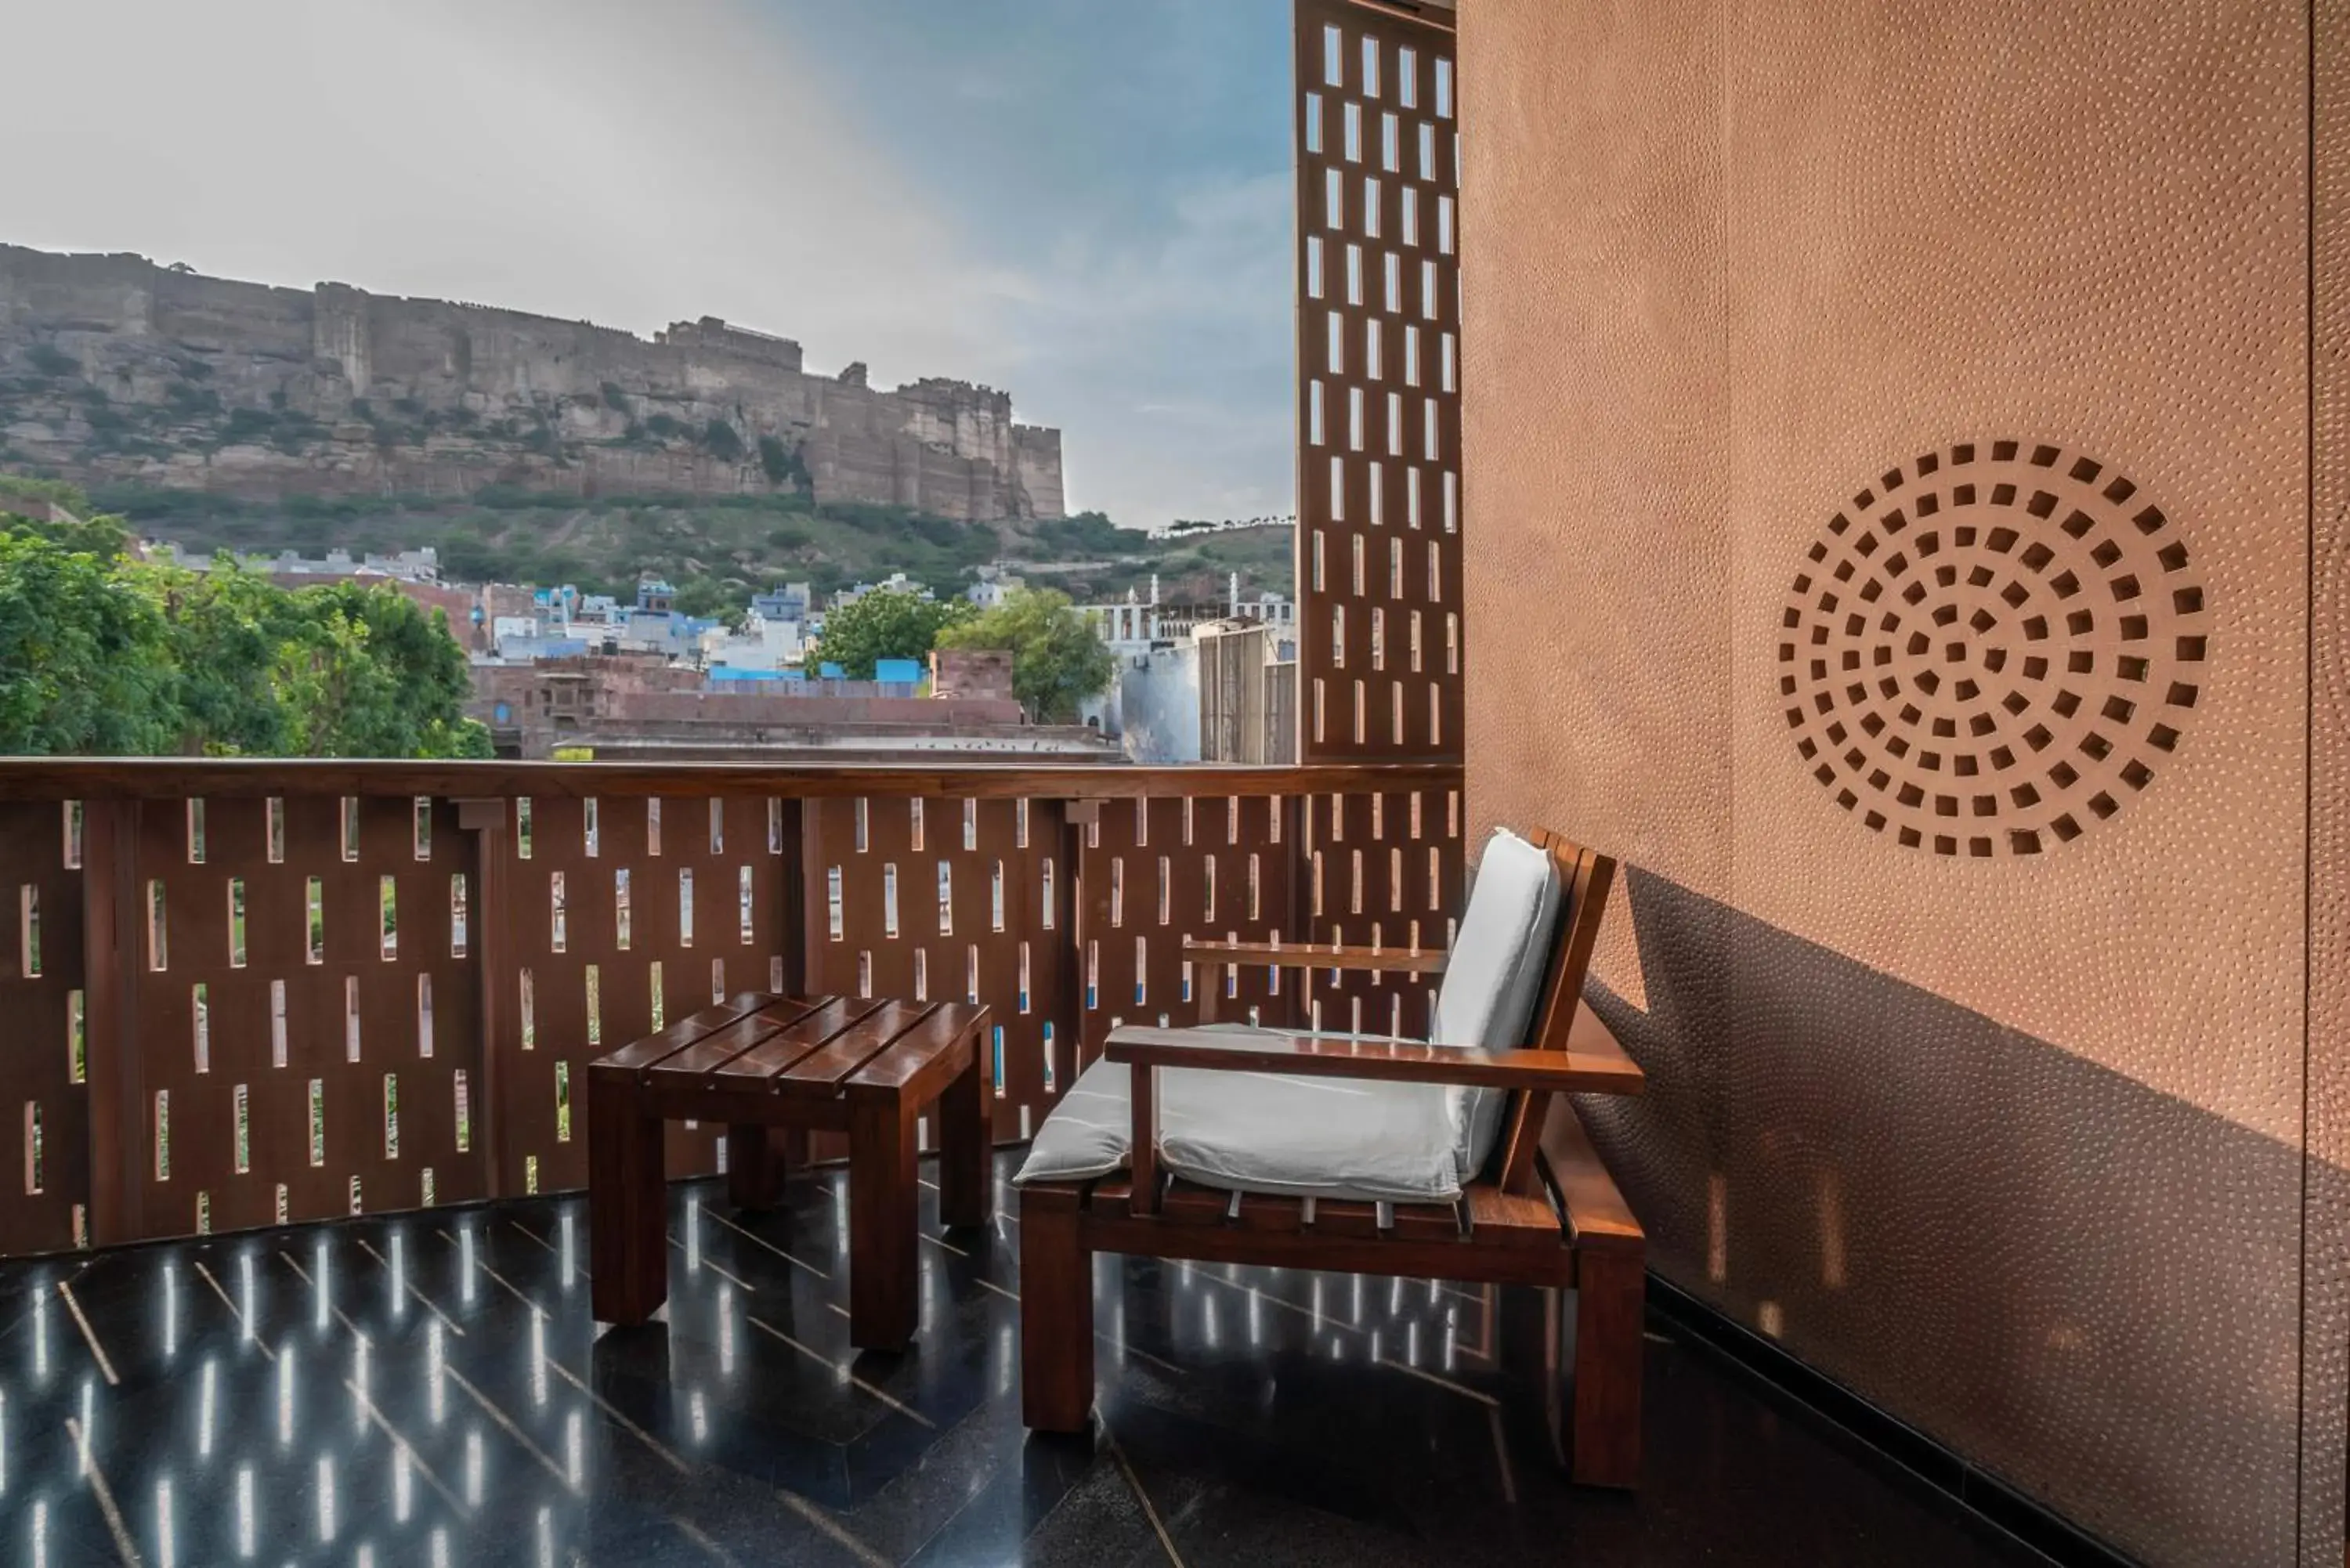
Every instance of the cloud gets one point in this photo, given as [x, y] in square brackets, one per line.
[930, 187]
[1130, 161]
[626, 163]
[1172, 352]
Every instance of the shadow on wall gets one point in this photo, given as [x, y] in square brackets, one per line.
[2085, 1286]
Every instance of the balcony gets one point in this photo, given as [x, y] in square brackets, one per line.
[1873, 468]
[317, 1032]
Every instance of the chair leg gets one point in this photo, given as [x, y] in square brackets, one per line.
[1056, 1312]
[628, 1204]
[1604, 1430]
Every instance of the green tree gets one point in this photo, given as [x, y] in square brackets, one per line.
[222, 630]
[26, 507]
[367, 673]
[103, 537]
[1057, 661]
[84, 668]
[103, 655]
[888, 623]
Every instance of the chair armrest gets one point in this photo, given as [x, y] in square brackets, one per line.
[1392, 1060]
[1307, 955]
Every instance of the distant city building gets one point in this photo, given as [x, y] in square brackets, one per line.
[1157, 706]
[972, 672]
[995, 586]
[896, 583]
[774, 637]
[642, 706]
[764, 647]
[1137, 625]
[535, 647]
[1248, 692]
[403, 566]
[791, 602]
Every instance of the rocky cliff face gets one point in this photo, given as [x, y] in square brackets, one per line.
[113, 370]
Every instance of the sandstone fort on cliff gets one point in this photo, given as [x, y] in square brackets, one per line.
[114, 370]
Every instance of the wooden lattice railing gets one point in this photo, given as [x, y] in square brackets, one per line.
[243, 994]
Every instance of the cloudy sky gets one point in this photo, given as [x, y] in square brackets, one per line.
[1085, 201]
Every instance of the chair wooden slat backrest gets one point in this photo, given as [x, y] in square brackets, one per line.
[1585, 878]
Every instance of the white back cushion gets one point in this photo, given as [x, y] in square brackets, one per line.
[1493, 978]
[1404, 1143]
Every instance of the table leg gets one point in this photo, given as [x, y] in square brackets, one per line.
[754, 1165]
[883, 1185]
[966, 1112]
[628, 1202]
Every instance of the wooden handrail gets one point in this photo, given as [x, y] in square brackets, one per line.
[32, 779]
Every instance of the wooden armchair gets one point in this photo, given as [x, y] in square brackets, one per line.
[1537, 1207]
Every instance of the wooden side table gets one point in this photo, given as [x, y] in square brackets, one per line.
[863, 1066]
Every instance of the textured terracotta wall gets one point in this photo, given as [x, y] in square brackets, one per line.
[2325, 1366]
[1987, 1097]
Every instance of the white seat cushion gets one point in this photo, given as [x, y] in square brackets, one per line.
[1493, 978]
[1335, 1138]
[1262, 1132]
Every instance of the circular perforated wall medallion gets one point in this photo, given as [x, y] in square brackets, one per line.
[1993, 650]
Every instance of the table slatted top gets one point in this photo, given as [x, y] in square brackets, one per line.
[819, 1047]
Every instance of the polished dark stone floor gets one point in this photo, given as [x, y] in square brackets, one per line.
[431, 1389]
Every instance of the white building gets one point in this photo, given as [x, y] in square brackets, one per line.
[762, 645]
[995, 586]
[896, 583]
[1138, 625]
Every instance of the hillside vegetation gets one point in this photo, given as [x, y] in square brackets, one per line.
[716, 550]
